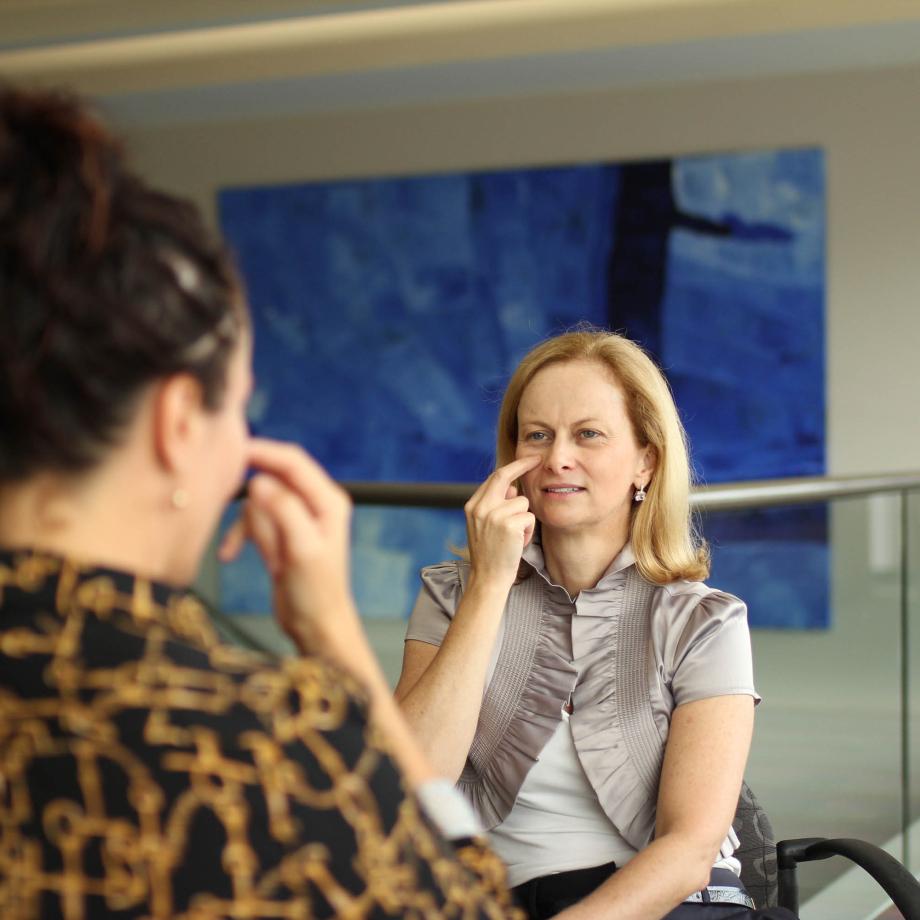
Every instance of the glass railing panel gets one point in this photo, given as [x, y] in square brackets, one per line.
[389, 546]
[826, 754]
[912, 675]
[827, 757]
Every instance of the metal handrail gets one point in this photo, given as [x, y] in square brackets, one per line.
[722, 497]
[799, 491]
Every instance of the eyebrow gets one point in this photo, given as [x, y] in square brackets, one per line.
[581, 421]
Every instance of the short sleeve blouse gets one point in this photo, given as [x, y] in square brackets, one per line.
[699, 635]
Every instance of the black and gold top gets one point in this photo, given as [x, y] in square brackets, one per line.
[147, 770]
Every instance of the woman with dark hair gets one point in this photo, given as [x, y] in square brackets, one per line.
[147, 769]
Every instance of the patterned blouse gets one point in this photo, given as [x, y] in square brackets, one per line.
[147, 770]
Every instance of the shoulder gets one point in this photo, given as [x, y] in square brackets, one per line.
[311, 688]
[682, 601]
[255, 693]
[702, 642]
[453, 571]
[443, 583]
[696, 592]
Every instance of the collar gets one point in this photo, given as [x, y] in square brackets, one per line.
[533, 556]
[34, 578]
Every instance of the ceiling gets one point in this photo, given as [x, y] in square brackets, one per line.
[35, 23]
[199, 60]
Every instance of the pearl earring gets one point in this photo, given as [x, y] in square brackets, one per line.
[180, 499]
[639, 495]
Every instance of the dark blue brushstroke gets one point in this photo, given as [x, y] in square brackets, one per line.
[744, 354]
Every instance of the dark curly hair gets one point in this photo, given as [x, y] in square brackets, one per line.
[105, 286]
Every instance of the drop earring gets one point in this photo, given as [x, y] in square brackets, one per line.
[639, 495]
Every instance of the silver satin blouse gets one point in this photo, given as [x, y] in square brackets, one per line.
[628, 652]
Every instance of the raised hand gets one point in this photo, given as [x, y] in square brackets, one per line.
[499, 523]
[299, 520]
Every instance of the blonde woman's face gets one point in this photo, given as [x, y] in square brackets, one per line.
[573, 416]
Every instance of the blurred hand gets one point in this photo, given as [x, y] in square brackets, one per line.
[299, 520]
[499, 523]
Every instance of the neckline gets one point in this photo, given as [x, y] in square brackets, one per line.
[613, 574]
[80, 583]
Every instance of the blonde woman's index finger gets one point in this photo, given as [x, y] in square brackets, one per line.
[496, 485]
[505, 475]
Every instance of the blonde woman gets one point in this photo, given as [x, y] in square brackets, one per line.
[590, 695]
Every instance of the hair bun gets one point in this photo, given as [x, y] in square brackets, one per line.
[93, 307]
[57, 166]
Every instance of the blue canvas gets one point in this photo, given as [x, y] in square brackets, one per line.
[388, 314]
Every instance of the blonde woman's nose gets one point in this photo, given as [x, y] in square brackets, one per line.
[561, 455]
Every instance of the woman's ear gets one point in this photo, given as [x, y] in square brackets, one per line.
[648, 461]
[178, 416]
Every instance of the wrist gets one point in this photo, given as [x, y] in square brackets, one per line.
[336, 632]
[319, 621]
[490, 588]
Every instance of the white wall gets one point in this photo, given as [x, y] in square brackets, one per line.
[866, 122]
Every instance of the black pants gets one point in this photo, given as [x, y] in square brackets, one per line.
[547, 895]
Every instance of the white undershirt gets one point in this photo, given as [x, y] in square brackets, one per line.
[557, 824]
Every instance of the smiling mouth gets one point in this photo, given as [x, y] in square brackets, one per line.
[564, 491]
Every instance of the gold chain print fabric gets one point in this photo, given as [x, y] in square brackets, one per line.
[148, 770]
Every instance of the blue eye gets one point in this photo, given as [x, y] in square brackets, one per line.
[535, 436]
[589, 434]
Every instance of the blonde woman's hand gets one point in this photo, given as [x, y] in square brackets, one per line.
[299, 520]
[499, 523]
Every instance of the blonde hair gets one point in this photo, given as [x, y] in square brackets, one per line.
[661, 529]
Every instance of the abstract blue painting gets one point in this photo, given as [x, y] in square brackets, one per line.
[389, 313]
